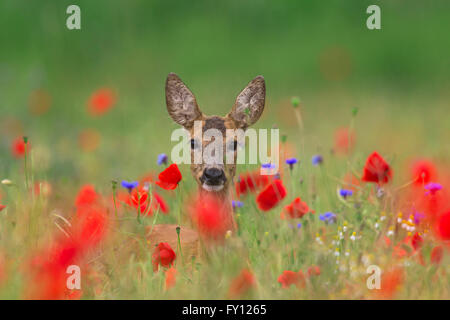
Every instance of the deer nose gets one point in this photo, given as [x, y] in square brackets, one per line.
[214, 175]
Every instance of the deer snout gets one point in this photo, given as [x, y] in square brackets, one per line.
[213, 177]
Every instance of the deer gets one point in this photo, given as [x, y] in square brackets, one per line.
[213, 179]
[183, 109]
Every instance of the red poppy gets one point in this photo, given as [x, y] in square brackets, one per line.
[171, 274]
[436, 255]
[242, 284]
[163, 255]
[443, 226]
[170, 177]
[296, 209]
[288, 278]
[416, 241]
[140, 196]
[423, 171]
[86, 196]
[101, 101]
[18, 147]
[211, 217]
[2, 207]
[90, 227]
[344, 140]
[314, 271]
[251, 182]
[391, 280]
[376, 169]
[271, 195]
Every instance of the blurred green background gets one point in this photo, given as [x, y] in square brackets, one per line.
[321, 51]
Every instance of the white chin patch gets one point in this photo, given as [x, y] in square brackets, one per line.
[207, 187]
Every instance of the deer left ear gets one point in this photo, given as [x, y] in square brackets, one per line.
[249, 103]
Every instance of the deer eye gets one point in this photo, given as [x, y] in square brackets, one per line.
[194, 144]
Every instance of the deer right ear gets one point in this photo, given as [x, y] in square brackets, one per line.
[181, 103]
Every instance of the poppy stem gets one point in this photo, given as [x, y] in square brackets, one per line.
[179, 244]
[114, 187]
[25, 141]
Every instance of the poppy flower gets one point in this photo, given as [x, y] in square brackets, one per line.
[163, 255]
[18, 147]
[91, 226]
[313, 271]
[271, 195]
[296, 209]
[242, 284]
[423, 171]
[436, 255]
[289, 278]
[391, 280]
[139, 200]
[211, 217]
[416, 241]
[376, 169]
[443, 226]
[2, 207]
[170, 177]
[344, 140]
[170, 277]
[101, 101]
[86, 196]
[251, 182]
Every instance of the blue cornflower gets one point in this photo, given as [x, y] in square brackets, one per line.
[291, 162]
[162, 159]
[268, 166]
[299, 225]
[328, 217]
[345, 193]
[129, 185]
[237, 204]
[432, 188]
[317, 159]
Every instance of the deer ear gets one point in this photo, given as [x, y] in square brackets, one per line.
[249, 103]
[181, 103]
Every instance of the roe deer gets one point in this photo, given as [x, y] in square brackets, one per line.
[214, 178]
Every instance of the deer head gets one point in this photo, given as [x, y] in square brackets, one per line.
[214, 176]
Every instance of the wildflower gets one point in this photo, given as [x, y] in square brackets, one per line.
[436, 255]
[129, 185]
[170, 277]
[268, 166]
[139, 199]
[416, 241]
[336, 252]
[432, 188]
[251, 182]
[268, 169]
[86, 196]
[271, 195]
[391, 280]
[101, 101]
[288, 278]
[2, 207]
[163, 255]
[242, 284]
[328, 217]
[423, 172]
[169, 178]
[90, 226]
[211, 217]
[418, 217]
[299, 225]
[7, 182]
[313, 271]
[316, 160]
[291, 162]
[353, 236]
[344, 140]
[376, 169]
[296, 209]
[345, 193]
[162, 159]
[237, 204]
[443, 226]
[18, 147]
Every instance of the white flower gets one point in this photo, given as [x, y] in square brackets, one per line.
[390, 233]
[376, 225]
[7, 182]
